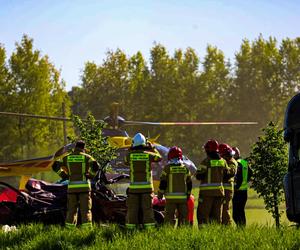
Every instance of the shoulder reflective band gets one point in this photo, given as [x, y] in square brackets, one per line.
[217, 163]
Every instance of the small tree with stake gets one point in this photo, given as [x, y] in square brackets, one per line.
[91, 132]
[268, 160]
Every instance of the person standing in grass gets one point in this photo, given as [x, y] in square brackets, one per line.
[176, 185]
[211, 173]
[139, 200]
[240, 195]
[79, 167]
[227, 153]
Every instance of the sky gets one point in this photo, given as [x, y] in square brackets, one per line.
[73, 32]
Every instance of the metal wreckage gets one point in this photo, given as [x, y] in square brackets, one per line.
[47, 202]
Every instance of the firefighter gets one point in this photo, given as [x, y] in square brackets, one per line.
[240, 195]
[211, 173]
[139, 200]
[176, 185]
[78, 167]
[227, 153]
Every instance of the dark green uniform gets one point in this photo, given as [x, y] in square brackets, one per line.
[228, 188]
[79, 167]
[139, 201]
[176, 185]
[211, 194]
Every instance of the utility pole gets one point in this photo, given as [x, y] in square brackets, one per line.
[64, 122]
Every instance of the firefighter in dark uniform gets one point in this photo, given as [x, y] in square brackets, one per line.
[227, 153]
[139, 200]
[78, 167]
[211, 173]
[240, 196]
[176, 185]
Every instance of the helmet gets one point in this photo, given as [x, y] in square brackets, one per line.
[226, 150]
[175, 153]
[237, 152]
[211, 146]
[139, 140]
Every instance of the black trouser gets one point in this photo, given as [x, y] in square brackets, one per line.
[238, 207]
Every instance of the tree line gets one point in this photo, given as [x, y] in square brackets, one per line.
[179, 86]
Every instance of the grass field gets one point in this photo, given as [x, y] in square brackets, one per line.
[259, 233]
[37, 237]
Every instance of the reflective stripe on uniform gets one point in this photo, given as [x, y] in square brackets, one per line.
[244, 185]
[137, 185]
[130, 226]
[217, 163]
[79, 184]
[70, 225]
[149, 225]
[211, 186]
[175, 195]
[228, 186]
[86, 225]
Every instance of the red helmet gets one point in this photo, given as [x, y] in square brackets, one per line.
[225, 150]
[211, 146]
[175, 152]
[237, 152]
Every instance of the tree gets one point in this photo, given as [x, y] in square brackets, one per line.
[268, 159]
[31, 85]
[91, 132]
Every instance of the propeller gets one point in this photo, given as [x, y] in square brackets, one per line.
[189, 123]
[117, 121]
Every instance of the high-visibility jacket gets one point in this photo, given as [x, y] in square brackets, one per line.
[211, 173]
[176, 182]
[245, 179]
[228, 181]
[139, 160]
[79, 167]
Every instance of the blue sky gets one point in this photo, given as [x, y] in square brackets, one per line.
[72, 32]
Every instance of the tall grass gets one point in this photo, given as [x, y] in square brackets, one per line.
[112, 237]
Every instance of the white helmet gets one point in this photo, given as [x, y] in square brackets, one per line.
[139, 140]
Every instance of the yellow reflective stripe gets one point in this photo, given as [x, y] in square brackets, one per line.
[177, 170]
[59, 171]
[83, 185]
[86, 225]
[170, 183]
[131, 226]
[76, 158]
[217, 163]
[210, 187]
[209, 175]
[132, 186]
[139, 157]
[175, 196]
[149, 225]
[70, 225]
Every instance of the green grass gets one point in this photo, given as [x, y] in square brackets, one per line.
[112, 237]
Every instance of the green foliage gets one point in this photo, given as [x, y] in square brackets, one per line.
[29, 83]
[268, 160]
[91, 132]
[112, 237]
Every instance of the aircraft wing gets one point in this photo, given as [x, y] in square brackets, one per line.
[26, 167]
